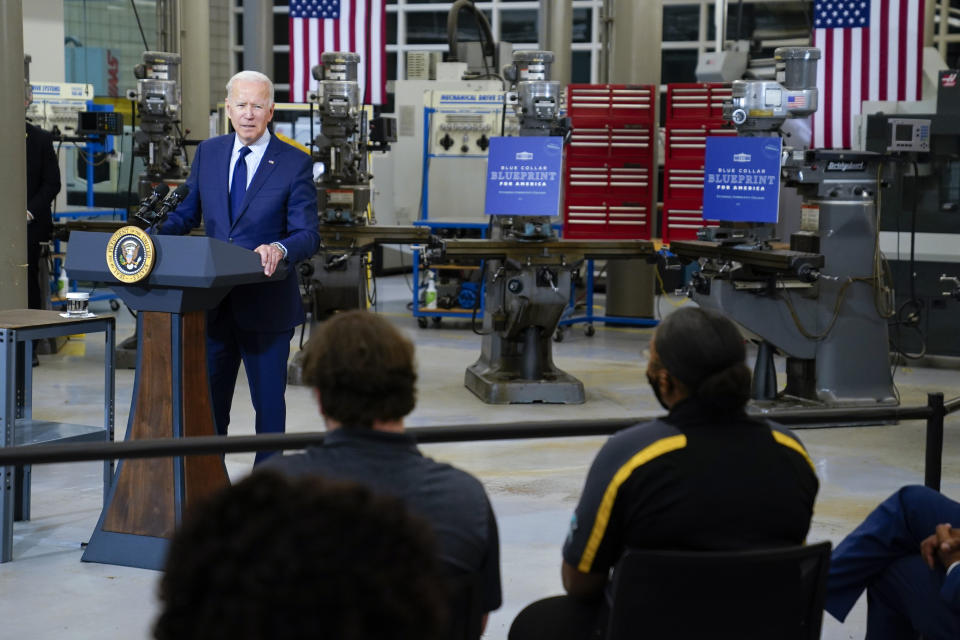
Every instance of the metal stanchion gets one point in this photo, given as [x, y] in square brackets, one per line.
[934, 451]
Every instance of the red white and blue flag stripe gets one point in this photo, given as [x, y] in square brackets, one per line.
[870, 50]
[318, 26]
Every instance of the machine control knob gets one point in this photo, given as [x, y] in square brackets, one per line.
[807, 273]
[465, 149]
[483, 142]
[446, 142]
[739, 116]
[515, 285]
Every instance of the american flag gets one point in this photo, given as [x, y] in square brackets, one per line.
[871, 50]
[318, 26]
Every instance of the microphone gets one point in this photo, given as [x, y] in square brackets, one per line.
[145, 213]
[172, 202]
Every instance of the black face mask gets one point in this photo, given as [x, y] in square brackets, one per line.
[656, 391]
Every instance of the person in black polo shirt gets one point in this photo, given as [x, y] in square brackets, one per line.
[705, 477]
[363, 372]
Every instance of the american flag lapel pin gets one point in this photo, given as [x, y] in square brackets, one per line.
[270, 162]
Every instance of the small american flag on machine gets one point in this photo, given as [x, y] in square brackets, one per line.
[871, 50]
[317, 26]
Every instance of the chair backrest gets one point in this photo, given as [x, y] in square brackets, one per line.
[465, 608]
[771, 593]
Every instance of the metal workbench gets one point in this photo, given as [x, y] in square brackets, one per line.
[18, 328]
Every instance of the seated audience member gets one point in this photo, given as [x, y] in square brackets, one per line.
[705, 477]
[907, 556]
[364, 375]
[311, 558]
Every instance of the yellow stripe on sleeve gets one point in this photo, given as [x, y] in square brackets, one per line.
[645, 455]
[790, 443]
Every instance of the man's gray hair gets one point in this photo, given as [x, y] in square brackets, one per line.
[251, 76]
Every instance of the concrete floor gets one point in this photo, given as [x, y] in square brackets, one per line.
[46, 592]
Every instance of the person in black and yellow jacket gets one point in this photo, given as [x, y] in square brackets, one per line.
[705, 477]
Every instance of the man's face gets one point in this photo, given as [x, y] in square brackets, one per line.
[249, 109]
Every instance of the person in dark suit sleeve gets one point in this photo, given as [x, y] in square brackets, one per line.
[252, 190]
[43, 185]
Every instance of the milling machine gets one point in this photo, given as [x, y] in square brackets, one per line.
[527, 271]
[336, 276]
[159, 140]
[823, 302]
[337, 279]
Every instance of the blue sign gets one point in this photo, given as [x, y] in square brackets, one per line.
[741, 179]
[523, 176]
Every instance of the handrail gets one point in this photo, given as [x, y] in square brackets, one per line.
[933, 412]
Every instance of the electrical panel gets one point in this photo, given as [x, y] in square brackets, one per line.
[462, 122]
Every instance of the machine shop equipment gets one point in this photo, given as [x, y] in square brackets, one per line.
[538, 97]
[822, 302]
[159, 140]
[336, 276]
[527, 273]
[343, 187]
[526, 288]
[919, 222]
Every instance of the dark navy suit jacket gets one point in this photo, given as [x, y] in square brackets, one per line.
[280, 206]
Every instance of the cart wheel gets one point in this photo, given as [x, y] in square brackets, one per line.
[558, 335]
[436, 321]
[422, 323]
[589, 331]
[114, 305]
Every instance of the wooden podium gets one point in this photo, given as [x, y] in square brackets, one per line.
[171, 392]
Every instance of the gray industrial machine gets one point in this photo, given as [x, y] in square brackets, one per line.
[336, 276]
[919, 222]
[337, 280]
[537, 97]
[159, 140]
[822, 302]
[527, 277]
[343, 188]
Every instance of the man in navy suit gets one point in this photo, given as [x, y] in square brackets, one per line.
[252, 190]
[906, 554]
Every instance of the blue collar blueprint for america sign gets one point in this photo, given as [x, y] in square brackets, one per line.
[523, 176]
[741, 179]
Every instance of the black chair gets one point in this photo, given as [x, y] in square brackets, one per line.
[744, 595]
[465, 619]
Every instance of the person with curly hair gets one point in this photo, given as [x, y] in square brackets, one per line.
[364, 375]
[272, 557]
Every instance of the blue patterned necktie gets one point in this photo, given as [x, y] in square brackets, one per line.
[238, 187]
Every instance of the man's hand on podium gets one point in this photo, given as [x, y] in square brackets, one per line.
[270, 257]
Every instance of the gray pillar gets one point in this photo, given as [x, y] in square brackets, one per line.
[195, 72]
[258, 36]
[556, 34]
[635, 40]
[13, 162]
[635, 36]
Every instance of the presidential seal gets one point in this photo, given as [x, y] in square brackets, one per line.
[130, 254]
